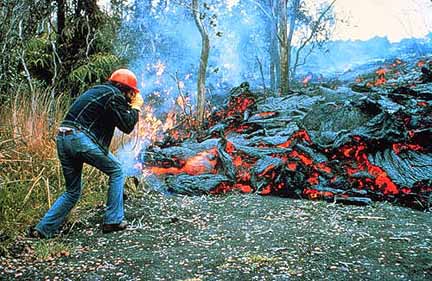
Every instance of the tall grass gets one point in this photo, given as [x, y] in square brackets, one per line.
[30, 173]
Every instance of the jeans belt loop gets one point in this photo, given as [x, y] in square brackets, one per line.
[64, 131]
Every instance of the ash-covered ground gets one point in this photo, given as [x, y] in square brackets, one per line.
[236, 237]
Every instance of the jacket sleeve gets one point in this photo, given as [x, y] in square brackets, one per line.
[124, 116]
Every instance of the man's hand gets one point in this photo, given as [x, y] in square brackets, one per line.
[137, 102]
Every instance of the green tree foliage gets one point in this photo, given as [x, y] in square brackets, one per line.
[95, 69]
[19, 20]
[61, 46]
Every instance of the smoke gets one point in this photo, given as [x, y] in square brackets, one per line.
[165, 47]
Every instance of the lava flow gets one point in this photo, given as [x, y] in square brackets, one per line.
[236, 152]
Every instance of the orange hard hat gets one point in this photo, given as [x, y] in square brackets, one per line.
[125, 77]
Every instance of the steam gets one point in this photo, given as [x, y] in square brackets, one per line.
[163, 33]
[165, 45]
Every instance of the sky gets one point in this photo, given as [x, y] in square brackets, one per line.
[396, 19]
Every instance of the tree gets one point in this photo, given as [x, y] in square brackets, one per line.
[54, 46]
[205, 49]
[308, 29]
[285, 40]
[289, 21]
[315, 32]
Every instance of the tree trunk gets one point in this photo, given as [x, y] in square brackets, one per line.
[293, 17]
[272, 75]
[273, 48]
[205, 49]
[283, 46]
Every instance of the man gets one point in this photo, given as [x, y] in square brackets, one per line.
[84, 136]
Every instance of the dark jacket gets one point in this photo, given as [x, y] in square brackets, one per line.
[98, 111]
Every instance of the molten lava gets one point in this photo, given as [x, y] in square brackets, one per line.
[202, 163]
[294, 166]
[381, 180]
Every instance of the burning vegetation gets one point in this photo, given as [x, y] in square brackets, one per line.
[370, 142]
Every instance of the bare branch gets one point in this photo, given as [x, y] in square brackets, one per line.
[22, 57]
[89, 41]
[314, 30]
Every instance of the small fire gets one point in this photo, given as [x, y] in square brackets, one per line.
[170, 121]
[421, 63]
[307, 79]
[381, 77]
[380, 81]
[381, 71]
[149, 127]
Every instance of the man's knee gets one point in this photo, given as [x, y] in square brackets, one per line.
[73, 196]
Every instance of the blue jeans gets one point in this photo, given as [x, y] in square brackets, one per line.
[73, 150]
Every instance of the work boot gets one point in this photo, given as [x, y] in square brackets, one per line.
[32, 232]
[107, 228]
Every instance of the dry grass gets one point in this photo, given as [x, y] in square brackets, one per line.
[30, 173]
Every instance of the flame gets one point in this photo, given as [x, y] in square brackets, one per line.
[396, 62]
[170, 121]
[381, 77]
[149, 127]
[182, 102]
[381, 71]
[307, 79]
[380, 81]
[421, 63]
